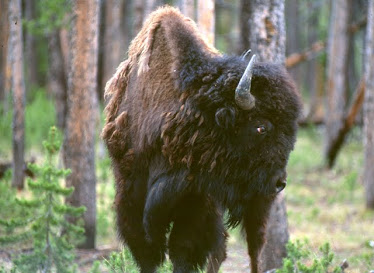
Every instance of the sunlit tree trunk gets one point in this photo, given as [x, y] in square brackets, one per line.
[337, 62]
[369, 109]
[4, 35]
[79, 152]
[267, 39]
[205, 19]
[18, 87]
[57, 79]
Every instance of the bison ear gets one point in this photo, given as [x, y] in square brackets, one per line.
[174, 39]
[225, 117]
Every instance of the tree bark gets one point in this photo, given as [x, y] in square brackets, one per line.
[267, 40]
[79, 152]
[311, 75]
[187, 7]
[337, 52]
[64, 43]
[293, 44]
[149, 6]
[30, 47]
[114, 40]
[369, 109]
[138, 16]
[57, 80]
[244, 29]
[18, 87]
[266, 27]
[4, 35]
[205, 19]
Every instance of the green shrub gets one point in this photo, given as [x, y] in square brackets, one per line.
[53, 237]
[301, 260]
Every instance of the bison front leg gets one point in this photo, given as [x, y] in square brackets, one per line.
[218, 255]
[198, 233]
[163, 193]
[254, 224]
[129, 208]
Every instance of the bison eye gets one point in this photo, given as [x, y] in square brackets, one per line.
[261, 129]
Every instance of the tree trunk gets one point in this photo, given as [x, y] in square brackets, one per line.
[277, 236]
[138, 16]
[57, 80]
[114, 40]
[267, 40]
[349, 120]
[149, 6]
[369, 109]
[4, 35]
[244, 30]
[293, 35]
[64, 43]
[337, 53]
[30, 48]
[205, 19]
[18, 87]
[79, 152]
[311, 68]
[187, 7]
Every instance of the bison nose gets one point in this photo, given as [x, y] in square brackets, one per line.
[280, 185]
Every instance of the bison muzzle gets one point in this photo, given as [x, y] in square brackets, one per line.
[193, 133]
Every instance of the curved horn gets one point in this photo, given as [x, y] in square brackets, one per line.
[243, 97]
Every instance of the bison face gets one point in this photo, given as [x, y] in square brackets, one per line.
[258, 141]
[255, 137]
[243, 150]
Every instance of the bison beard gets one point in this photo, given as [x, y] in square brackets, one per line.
[184, 149]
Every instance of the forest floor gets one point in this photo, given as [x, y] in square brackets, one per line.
[237, 260]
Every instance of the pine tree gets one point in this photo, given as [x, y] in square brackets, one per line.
[52, 236]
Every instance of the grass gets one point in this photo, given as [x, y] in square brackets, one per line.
[328, 205]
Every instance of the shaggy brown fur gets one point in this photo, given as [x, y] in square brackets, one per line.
[183, 151]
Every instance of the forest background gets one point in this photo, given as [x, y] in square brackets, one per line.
[53, 49]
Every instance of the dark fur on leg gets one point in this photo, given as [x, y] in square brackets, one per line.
[165, 189]
[129, 208]
[218, 255]
[254, 225]
[197, 231]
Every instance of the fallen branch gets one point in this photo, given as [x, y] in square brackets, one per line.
[306, 55]
[296, 58]
[348, 122]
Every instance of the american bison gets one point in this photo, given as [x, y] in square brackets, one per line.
[193, 133]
